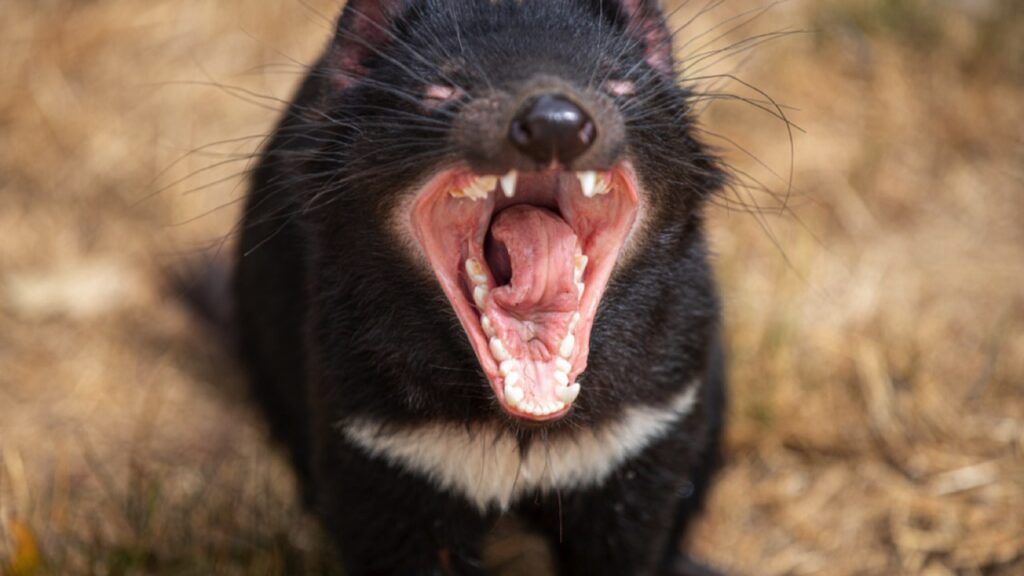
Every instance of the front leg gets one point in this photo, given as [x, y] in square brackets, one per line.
[619, 529]
[386, 521]
[626, 525]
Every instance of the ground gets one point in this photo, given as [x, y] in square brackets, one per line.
[871, 258]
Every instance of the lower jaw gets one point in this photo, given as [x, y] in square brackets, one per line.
[531, 349]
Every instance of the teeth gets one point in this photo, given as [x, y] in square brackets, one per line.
[575, 320]
[561, 378]
[513, 379]
[567, 347]
[479, 295]
[563, 365]
[476, 271]
[568, 394]
[513, 394]
[581, 266]
[587, 182]
[485, 323]
[510, 367]
[593, 184]
[541, 409]
[508, 183]
[580, 287]
[498, 350]
[481, 187]
[478, 189]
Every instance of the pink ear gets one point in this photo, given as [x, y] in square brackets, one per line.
[646, 21]
[363, 29]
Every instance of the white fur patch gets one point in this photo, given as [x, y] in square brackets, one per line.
[484, 463]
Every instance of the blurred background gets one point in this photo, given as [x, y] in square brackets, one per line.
[871, 254]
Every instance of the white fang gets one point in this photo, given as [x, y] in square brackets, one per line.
[485, 465]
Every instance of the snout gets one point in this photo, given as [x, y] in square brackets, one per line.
[542, 124]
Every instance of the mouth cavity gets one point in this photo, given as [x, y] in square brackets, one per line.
[524, 259]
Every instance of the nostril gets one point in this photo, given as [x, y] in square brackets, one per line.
[520, 133]
[587, 133]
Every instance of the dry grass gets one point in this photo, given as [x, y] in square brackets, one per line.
[876, 325]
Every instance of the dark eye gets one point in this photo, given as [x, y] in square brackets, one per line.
[620, 87]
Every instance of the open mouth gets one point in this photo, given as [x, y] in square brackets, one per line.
[524, 260]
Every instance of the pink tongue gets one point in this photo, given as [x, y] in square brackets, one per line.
[541, 253]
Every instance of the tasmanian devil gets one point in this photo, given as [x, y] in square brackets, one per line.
[473, 282]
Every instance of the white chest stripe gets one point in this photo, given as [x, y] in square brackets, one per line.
[485, 464]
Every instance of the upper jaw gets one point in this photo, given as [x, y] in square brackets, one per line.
[529, 327]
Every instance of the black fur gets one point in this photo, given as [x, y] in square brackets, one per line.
[337, 319]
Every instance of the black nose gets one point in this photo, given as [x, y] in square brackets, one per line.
[550, 127]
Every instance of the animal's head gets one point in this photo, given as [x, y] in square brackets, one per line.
[517, 153]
